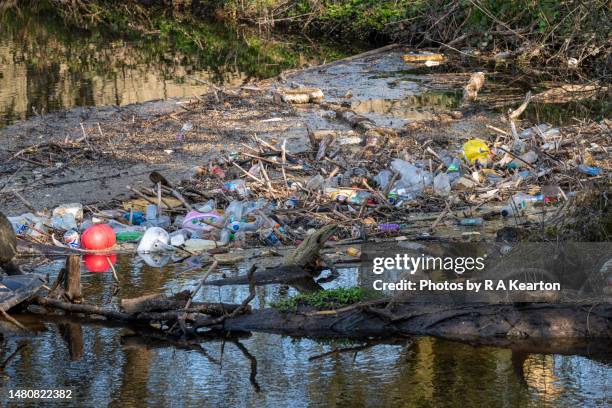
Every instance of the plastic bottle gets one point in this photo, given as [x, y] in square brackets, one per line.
[359, 197]
[126, 233]
[269, 237]
[400, 193]
[178, 238]
[591, 171]
[529, 157]
[238, 186]
[389, 227]
[292, 202]
[206, 207]
[76, 209]
[162, 221]
[414, 179]
[471, 221]
[519, 203]
[314, 183]
[241, 226]
[382, 179]
[441, 185]
[151, 213]
[340, 194]
[234, 211]
[19, 223]
[454, 166]
[201, 222]
[63, 222]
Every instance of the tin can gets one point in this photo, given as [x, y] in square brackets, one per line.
[72, 239]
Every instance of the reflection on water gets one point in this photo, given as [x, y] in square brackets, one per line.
[412, 108]
[106, 364]
[45, 66]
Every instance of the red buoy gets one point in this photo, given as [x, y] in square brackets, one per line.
[98, 262]
[98, 236]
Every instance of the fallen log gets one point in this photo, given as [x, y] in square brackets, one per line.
[18, 288]
[160, 303]
[484, 322]
[281, 274]
[193, 313]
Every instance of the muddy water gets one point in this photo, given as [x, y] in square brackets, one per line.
[107, 365]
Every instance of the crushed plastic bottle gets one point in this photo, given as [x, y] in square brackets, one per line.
[179, 237]
[162, 221]
[441, 185]
[76, 209]
[315, 182]
[543, 129]
[208, 206]
[530, 157]
[238, 186]
[382, 179]
[412, 182]
[64, 222]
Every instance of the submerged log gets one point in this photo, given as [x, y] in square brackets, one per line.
[72, 282]
[281, 274]
[456, 322]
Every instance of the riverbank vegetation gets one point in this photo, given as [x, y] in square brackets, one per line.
[558, 38]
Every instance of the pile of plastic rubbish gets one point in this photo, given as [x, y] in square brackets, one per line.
[272, 197]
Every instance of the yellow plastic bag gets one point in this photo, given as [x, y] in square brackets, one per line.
[476, 150]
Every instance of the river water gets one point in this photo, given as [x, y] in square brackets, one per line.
[109, 365]
[45, 67]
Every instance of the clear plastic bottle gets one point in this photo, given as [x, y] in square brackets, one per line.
[64, 222]
[208, 206]
[382, 179]
[238, 186]
[414, 178]
[315, 183]
[530, 157]
[519, 204]
[441, 185]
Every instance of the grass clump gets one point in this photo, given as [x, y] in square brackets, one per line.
[322, 300]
